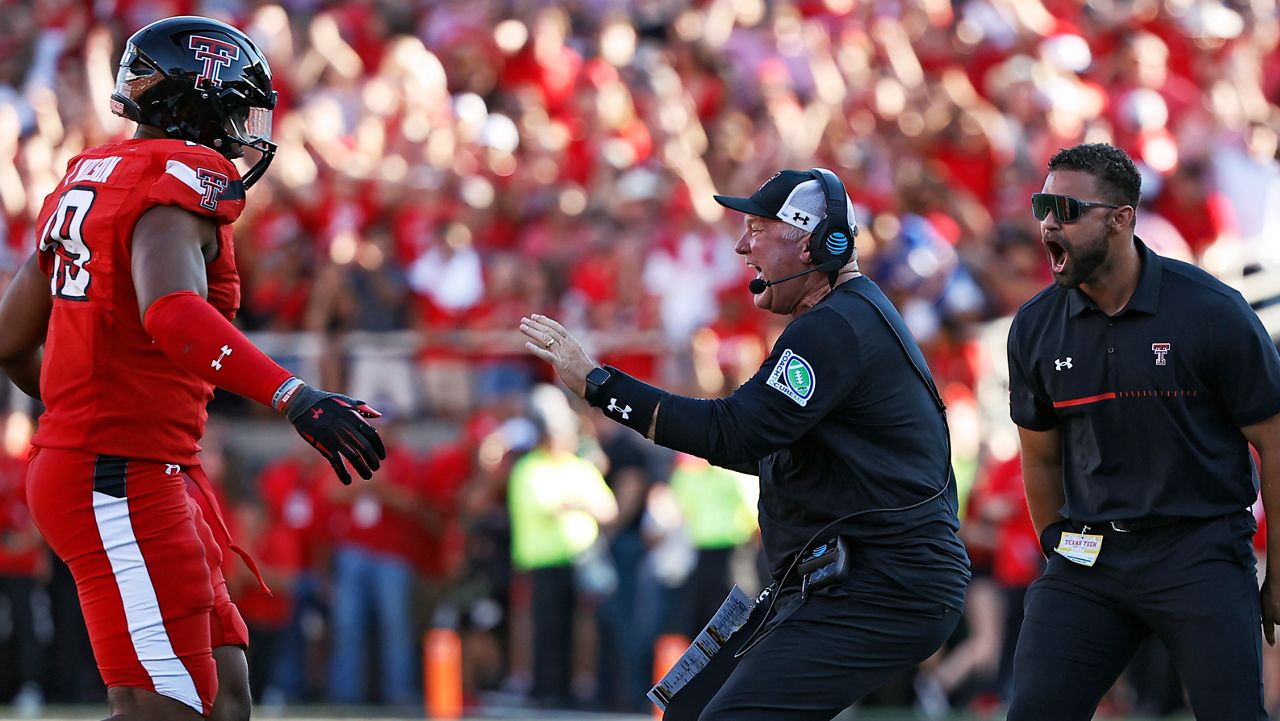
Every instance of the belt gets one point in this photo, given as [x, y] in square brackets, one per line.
[1136, 525]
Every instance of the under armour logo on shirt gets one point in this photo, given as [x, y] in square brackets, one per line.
[171, 468]
[624, 412]
[217, 365]
[1059, 364]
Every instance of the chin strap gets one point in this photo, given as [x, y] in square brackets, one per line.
[268, 150]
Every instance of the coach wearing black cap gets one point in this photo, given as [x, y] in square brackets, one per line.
[845, 428]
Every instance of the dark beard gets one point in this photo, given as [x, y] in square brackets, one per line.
[1083, 262]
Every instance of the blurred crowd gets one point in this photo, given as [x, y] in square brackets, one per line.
[448, 166]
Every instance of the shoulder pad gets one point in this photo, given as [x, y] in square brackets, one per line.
[198, 179]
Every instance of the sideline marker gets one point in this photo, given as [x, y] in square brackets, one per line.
[442, 673]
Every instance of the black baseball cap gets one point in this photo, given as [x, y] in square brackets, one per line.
[774, 200]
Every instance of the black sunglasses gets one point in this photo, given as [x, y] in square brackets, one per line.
[1065, 208]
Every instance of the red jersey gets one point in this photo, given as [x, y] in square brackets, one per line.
[107, 387]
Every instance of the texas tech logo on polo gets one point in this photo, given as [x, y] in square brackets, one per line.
[216, 55]
[794, 377]
[1161, 350]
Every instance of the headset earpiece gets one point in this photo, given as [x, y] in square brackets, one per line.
[832, 239]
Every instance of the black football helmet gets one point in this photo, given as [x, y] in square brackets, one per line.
[200, 80]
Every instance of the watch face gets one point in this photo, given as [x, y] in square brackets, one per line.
[596, 378]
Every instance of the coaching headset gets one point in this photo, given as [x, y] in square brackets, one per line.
[831, 242]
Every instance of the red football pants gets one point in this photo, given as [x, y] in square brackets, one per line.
[146, 567]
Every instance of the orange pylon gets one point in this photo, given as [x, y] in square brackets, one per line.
[442, 673]
[666, 651]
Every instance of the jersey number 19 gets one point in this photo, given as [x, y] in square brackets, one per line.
[63, 235]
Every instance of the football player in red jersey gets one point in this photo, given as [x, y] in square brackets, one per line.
[130, 294]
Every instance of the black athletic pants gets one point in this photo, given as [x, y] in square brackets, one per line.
[841, 644]
[1191, 584]
[553, 606]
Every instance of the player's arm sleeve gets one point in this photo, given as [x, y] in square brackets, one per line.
[201, 341]
[168, 273]
[1029, 404]
[812, 368]
[1246, 366]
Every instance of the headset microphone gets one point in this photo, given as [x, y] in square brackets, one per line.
[757, 285]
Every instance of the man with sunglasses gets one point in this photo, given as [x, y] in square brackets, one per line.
[1138, 383]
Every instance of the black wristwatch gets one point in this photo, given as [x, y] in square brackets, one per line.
[595, 379]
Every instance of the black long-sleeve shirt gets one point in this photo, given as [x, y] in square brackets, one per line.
[839, 421]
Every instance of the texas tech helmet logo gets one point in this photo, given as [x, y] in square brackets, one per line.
[216, 55]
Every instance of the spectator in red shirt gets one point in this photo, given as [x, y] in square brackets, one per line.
[297, 509]
[446, 473]
[545, 62]
[727, 352]
[1199, 211]
[278, 554]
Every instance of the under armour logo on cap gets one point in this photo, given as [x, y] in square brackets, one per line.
[793, 196]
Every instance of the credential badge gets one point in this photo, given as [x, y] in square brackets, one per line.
[794, 377]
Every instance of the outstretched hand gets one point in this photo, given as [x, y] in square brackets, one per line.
[549, 341]
[336, 426]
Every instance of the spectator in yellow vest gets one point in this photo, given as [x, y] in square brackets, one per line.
[719, 509]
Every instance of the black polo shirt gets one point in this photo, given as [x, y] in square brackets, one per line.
[838, 422]
[1151, 400]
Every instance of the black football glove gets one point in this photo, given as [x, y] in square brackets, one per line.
[335, 425]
